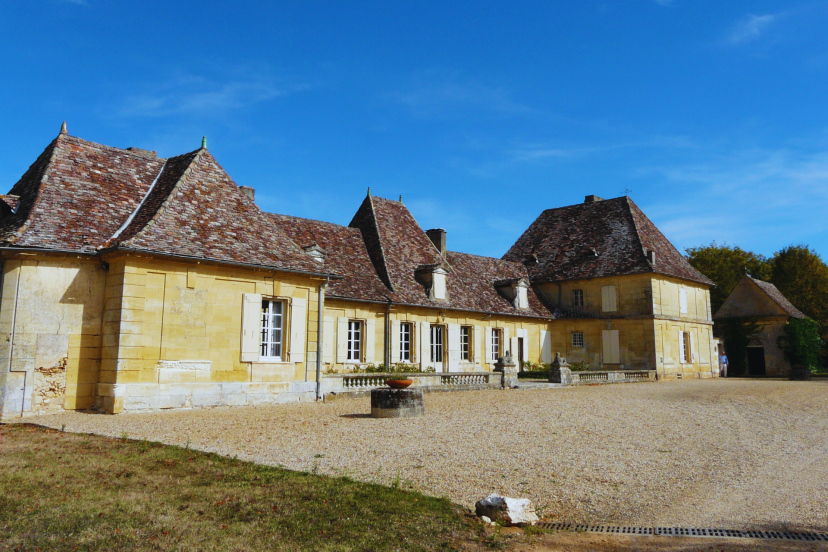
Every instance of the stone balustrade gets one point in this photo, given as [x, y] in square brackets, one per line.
[614, 376]
[430, 381]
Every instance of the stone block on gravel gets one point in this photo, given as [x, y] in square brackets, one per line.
[512, 511]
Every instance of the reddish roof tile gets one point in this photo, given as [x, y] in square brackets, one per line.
[604, 238]
[76, 195]
[345, 255]
[777, 297]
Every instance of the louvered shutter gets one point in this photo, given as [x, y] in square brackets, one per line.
[341, 340]
[477, 354]
[692, 349]
[454, 347]
[251, 327]
[327, 339]
[487, 344]
[298, 320]
[682, 354]
[546, 346]
[395, 341]
[370, 337]
[682, 301]
[425, 345]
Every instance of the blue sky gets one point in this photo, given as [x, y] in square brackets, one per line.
[481, 114]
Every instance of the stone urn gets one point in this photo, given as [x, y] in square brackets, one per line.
[508, 368]
[559, 371]
[398, 383]
[799, 372]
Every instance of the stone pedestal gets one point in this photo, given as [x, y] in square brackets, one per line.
[559, 371]
[507, 366]
[396, 403]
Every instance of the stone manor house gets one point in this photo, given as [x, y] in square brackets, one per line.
[132, 282]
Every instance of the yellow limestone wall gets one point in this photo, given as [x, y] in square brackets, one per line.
[342, 308]
[163, 314]
[50, 316]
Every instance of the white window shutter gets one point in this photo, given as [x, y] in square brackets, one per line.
[524, 333]
[610, 346]
[370, 336]
[546, 346]
[692, 348]
[609, 299]
[613, 299]
[681, 346]
[513, 348]
[327, 339]
[477, 351]
[395, 341]
[606, 347]
[487, 344]
[425, 345]
[251, 334]
[341, 339]
[298, 320]
[616, 347]
[682, 301]
[506, 345]
[454, 347]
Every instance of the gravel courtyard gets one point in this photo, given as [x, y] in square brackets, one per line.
[703, 453]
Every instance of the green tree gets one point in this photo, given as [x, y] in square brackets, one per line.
[726, 265]
[801, 341]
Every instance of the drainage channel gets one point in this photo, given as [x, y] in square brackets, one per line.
[686, 532]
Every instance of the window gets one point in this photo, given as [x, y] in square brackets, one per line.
[578, 340]
[354, 340]
[465, 342]
[436, 344]
[439, 284]
[405, 342]
[578, 298]
[682, 301]
[609, 301]
[685, 347]
[272, 325]
[496, 339]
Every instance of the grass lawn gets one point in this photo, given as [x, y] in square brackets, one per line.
[64, 491]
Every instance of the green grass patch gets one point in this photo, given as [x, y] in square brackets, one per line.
[64, 491]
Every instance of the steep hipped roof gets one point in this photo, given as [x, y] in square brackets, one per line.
[196, 210]
[76, 195]
[602, 238]
[399, 248]
[752, 297]
[344, 254]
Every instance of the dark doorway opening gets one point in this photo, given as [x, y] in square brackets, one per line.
[756, 361]
[520, 353]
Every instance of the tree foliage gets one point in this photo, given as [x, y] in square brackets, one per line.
[726, 265]
[801, 342]
[799, 273]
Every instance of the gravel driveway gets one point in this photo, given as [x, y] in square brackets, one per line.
[703, 453]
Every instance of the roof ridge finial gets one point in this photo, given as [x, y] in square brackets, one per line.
[63, 128]
[369, 191]
[400, 198]
[203, 142]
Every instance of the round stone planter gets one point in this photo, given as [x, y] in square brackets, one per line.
[397, 403]
[398, 384]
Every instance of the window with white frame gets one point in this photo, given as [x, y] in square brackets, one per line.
[354, 341]
[436, 343]
[273, 317]
[685, 347]
[577, 298]
[578, 340]
[405, 342]
[465, 342]
[497, 338]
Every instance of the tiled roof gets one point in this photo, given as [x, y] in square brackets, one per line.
[196, 210]
[399, 248]
[345, 255]
[603, 238]
[777, 297]
[76, 195]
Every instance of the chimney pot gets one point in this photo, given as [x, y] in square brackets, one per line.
[438, 238]
[249, 192]
[593, 199]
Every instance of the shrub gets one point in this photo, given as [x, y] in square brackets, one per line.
[801, 342]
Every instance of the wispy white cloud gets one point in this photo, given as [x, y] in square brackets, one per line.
[751, 28]
[195, 94]
[762, 199]
[430, 95]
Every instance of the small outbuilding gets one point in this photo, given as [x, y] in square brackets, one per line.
[763, 301]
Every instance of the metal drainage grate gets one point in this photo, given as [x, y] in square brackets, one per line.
[686, 532]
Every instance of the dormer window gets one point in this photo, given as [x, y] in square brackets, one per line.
[434, 279]
[316, 253]
[516, 291]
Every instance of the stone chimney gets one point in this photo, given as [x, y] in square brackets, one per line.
[593, 199]
[249, 192]
[438, 238]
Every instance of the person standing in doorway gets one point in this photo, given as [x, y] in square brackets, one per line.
[722, 365]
